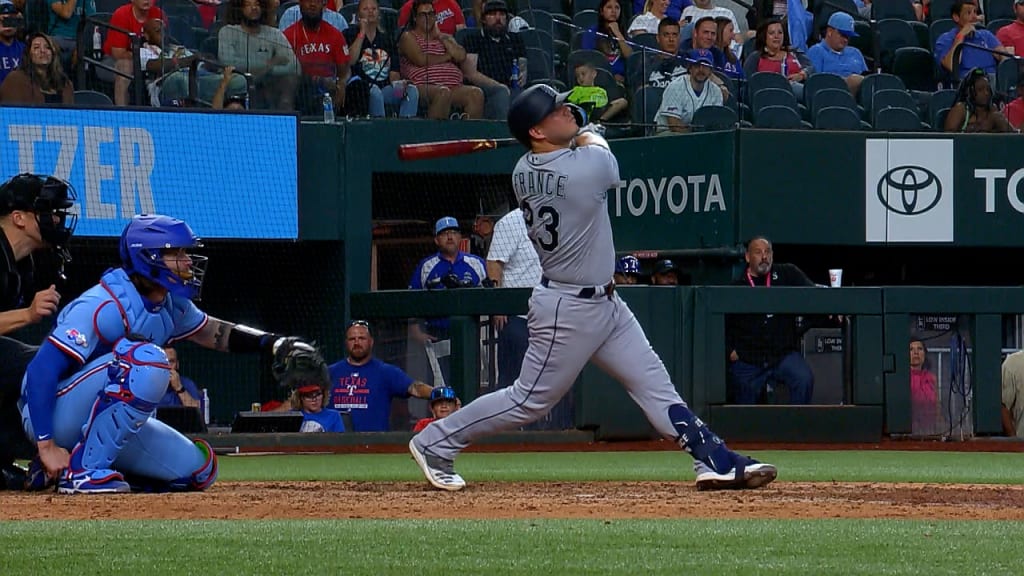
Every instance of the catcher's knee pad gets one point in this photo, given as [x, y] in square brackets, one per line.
[111, 425]
[204, 476]
[696, 438]
[139, 372]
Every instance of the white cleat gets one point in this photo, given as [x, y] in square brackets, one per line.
[755, 474]
[439, 472]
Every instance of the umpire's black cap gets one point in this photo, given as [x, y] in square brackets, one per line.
[531, 107]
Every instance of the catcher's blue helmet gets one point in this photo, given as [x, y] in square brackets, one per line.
[628, 264]
[442, 393]
[143, 240]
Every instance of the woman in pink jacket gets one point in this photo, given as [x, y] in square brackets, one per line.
[923, 391]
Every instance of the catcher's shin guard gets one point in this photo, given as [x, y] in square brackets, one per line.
[198, 480]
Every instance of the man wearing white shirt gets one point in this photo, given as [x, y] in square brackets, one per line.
[512, 262]
[687, 94]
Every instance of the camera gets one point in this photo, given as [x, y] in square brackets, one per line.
[450, 281]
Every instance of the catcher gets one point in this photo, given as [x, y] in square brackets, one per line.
[443, 401]
[89, 393]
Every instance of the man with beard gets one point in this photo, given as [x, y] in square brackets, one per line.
[489, 58]
[33, 218]
[687, 94]
[252, 46]
[973, 110]
[323, 55]
[764, 348]
[362, 386]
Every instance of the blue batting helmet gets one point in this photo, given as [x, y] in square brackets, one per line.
[142, 243]
[628, 264]
[442, 393]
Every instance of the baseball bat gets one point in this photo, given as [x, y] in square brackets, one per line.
[428, 150]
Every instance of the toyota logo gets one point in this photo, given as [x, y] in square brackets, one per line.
[919, 190]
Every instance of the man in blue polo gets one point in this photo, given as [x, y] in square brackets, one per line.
[965, 15]
[834, 55]
[447, 269]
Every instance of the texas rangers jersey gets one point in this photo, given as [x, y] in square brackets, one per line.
[91, 324]
[563, 195]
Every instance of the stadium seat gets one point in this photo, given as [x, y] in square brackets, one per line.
[834, 98]
[939, 122]
[837, 118]
[873, 83]
[782, 117]
[766, 80]
[898, 120]
[714, 118]
[583, 5]
[769, 97]
[864, 41]
[922, 33]
[939, 101]
[585, 19]
[539, 19]
[899, 9]
[561, 28]
[938, 27]
[916, 68]
[998, 10]
[92, 98]
[995, 25]
[462, 35]
[538, 62]
[108, 6]
[636, 73]
[940, 9]
[822, 81]
[648, 97]
[891, 99]
[893, 34]
[537, 39]
[1007, 74]
[648, 40]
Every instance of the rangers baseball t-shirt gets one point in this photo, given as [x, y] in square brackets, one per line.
[366, 392]
[320, 51]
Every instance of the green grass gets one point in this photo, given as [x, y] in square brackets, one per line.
[819, 466]
[449, 548]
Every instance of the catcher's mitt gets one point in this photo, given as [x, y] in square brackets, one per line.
[297, 362]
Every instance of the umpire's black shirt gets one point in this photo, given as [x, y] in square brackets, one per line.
[763, 339]
[16, 278]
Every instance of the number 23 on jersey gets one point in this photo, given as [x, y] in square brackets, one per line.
[546, 237]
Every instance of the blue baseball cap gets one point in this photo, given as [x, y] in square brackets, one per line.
[843, 23]
[446, 223]
[699, 56]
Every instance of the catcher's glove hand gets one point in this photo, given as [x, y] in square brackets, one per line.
[298, 362]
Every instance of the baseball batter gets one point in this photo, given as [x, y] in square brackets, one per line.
[575, 315]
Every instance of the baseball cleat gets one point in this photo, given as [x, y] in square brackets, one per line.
[12, 477]
[746, 475]
[86, 483]
[439, 472]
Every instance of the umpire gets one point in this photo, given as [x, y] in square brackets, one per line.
[33, 217]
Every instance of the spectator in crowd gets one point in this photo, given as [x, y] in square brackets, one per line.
[443, 401]
[363, 385]
[923, 391]
[118, 47]
[251, 45]
[483, 233]
[707, 9]
[764, 348]
[627, 270]
[329, 15]
[309, 399]
[973, 110]
[512, 262]
[39, 78]
[11, 48]
[1014, 111]
[773, 53]
[594, 99]
[965, 14]
[430, 60]
[323, 57]
[647, 23]
[607, 38]
[376, 79]
[221, 101]
[1013, 394]
[666, 273]
[705, 36]
[674, 11]
[1011, 36]
[447, 15]
[181, 391]
[489, 57]
[168, 66]
[664, 66]
[834, 55]
[687, 94]
[731, 64]
[64, 23]
[447, 269]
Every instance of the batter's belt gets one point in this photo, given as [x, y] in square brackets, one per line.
[587, 292]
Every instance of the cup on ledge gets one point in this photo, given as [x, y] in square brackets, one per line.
[835, 277]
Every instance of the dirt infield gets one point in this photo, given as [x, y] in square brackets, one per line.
[499, 500]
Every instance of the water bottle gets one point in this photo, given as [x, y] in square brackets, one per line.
[97, 43]
[514, 80]
[328, 108]
[785, 68]
[206, 407]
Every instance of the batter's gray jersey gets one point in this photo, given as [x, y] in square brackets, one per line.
[563, 195]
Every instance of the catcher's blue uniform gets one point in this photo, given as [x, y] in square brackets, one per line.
[95, 384]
